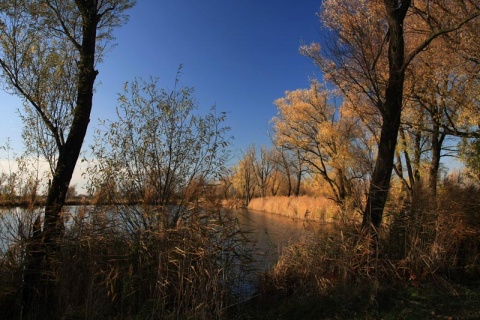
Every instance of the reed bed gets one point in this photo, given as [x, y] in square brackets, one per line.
[428, 244]
[319, 209]
[107, 271]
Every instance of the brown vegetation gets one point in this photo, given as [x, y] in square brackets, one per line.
[407, 79]
[303, 207]
[106, 269]
[421, 249]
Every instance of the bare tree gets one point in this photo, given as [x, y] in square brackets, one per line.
[159, 152]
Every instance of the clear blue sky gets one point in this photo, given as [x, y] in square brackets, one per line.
[240, 55]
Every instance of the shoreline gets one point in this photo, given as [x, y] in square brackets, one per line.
[305, 208]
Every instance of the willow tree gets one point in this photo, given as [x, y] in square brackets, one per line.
[329, 138]
[48, 55]
[159, 152]
[374, 44]
[446, 92]
[49, 51]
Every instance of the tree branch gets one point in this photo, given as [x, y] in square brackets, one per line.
[64, 26]
[435, 35]
[14, 81]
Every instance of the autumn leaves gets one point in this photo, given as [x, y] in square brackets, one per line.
[396, 66]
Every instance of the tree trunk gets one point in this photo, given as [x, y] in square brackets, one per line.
[437, 141]
[70, 152]
[408, 162]
[39, 281]
[299, 174]
[391, 113]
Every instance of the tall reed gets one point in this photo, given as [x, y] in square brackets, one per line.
[318, 209]
[428, 241]
[107, 269]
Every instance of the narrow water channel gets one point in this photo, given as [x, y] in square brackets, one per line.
[270, 234]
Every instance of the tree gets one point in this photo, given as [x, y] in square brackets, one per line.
[470, 155]
[244, 180]
[396, 12]
[445, 91]
[326, 136]
[368, 61]
[49, 51]
[159, 152]
[291, 165]
[226, 183]
[263, 167]
[48, 57]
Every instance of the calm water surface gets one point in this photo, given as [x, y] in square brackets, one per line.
[270, 234]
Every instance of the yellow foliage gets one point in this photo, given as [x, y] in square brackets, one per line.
[318, 208]
[330, 137]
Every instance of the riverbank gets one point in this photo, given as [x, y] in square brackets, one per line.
[447, 301]
[318, 209]
[423, 265]
[40, 202]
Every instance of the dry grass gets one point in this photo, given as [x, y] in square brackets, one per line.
[232, 203]
[424, 245]
[122, 262]
[107, 269]
[318, 209]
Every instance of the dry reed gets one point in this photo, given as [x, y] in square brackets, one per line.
[107, 270]
[426, 242]
[318, 209]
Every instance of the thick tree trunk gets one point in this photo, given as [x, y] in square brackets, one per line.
[69, 154]
[391, 113]
[40, 298]
[380, 184]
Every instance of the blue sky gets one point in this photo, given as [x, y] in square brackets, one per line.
[240, 55]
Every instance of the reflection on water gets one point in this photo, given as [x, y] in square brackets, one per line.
[270, 234]
[16, 225]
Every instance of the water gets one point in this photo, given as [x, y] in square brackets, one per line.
[268, 235]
